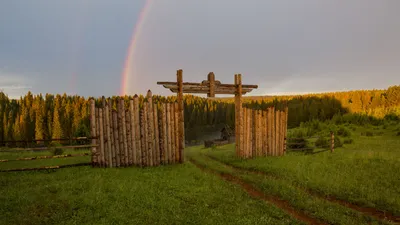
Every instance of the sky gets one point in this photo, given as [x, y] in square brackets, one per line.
[285, 46]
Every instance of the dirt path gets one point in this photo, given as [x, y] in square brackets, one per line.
[252, 191]
[372, 212]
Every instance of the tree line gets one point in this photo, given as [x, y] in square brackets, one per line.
[63, 116]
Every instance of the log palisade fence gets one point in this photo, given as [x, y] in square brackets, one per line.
[262, 132]
[140, 135]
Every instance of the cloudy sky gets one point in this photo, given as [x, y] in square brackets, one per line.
[284, 46]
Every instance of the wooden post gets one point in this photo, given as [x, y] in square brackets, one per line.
[98, 149]
[128, 135]
[150, 129]
[173, 133]
[101, 132]
[263, 133]
[146, 134]
[254, 138]
[138, 150]
[108, 136]
[211, 80]
[163, 134]
[169, 134]
[238, 112]
[256, 132]
[273, 133]
[133, 135]
[116, 153]
[244, 141]
[332, 142]
[122, 136]
[286, 124]
[93, 130]
[177, 133]
[157, 136]
[248, 131]
[181, 116]
[278, 132]
[143, 136]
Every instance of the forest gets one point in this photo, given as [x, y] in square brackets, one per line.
[62, 116]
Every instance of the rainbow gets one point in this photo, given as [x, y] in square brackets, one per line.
[127, 69]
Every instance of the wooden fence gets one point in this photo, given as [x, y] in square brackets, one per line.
[147, 135]
[262, 132]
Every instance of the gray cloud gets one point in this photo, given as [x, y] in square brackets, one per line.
[282, 45]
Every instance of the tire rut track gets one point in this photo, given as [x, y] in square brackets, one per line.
[254, 192]
[372, 212]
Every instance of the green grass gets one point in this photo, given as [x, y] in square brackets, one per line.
[365, 172]
[176, 194]
[297, 197]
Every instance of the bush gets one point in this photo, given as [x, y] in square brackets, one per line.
[56, 148]
[344, 132]
[322, 142]
[398, 133]
[298, 143]
[369, 134]
[338, 142]
[348, 141]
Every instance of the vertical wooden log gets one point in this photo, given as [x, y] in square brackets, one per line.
[285, 129]
[273, 134]
[169, 130]
[283, 118]
[248, 130]
[116, 153]
[112, 150]
[163, 134]
[263, 134]
[98, 149]
[244, 141]
[143, 136]
[108, 137]
[181, 120]
[138, 150]
[332, 142]
[101, 132]
[128, 135]
[260, 132]
[146, 134]
[269, 132]
[255, 122]
[211, 81]
[253, 133]
[93, 130]
[173, 133]
[157, 136]
[238, 113]
[177, 133]
[278, 133]
[122, 132]
[132, 130]
[150, 129]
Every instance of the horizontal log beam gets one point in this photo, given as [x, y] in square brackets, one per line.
[47, 148]
[169, 84]
[44, 157]
[194, 91]
[46, 167]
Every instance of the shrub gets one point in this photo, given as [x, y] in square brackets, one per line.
[298, 143]
[322, 142]
[344, 132]
[369, 134]
[56, 148]
[398, 133]
[348, 141]
[338, 142]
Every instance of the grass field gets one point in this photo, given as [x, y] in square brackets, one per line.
[212, 187]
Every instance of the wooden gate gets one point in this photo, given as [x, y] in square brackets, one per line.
[145, 134]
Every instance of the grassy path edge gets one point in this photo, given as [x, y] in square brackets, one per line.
[254, 192]
[372, 212]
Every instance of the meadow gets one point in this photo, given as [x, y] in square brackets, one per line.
[356, 184]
